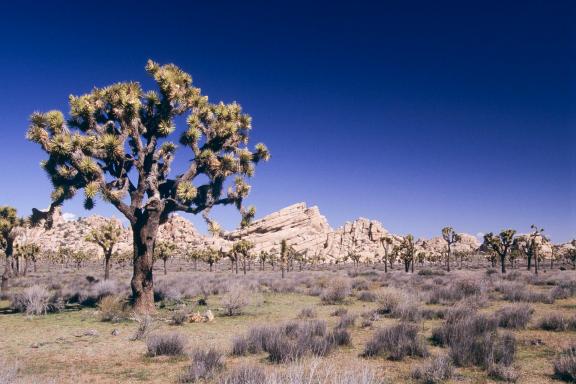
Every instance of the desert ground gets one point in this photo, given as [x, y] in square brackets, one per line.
[324, 324]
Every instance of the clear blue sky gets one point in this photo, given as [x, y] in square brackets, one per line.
[419, 114]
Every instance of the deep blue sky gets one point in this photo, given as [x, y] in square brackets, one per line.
[417, 113]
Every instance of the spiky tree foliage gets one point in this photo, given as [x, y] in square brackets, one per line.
[355, 257]
[116, 145]
[243, 251]
[77, 257]
[407, 252]
[106, 236]
[29, 251]
[164, 250]
[570, 254]
[10, 225]
[273, 258]
[500, 244]
[263, 258]
[211, 256]
[193, 254]
[450, 237]
[387, 244]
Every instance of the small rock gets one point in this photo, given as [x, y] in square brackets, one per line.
[91, 332]
[35, 345]
[115, 332]
[209, 316]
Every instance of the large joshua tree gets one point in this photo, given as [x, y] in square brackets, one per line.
[450, 237]
[10, 224]
[500, 244]
[116, 144]
[106, 237]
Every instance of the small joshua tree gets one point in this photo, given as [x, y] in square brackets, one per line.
[500, 244]
[106, 237]
[164, 251]
[262, 258]
[116, 144]
[284, 250]
[77, 257]
[211, 256]
[450, 237]
[570, 255]
[193, 254]
[536, 240]
[387, 243]
[29, 251]
[242, 249]
[10, 225]
[407, 252]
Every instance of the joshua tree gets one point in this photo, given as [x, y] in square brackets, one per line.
[450, 237]
[262, 258]
[115, 144]
[355, 257]
[242, 249]
[536, 239]
[193, 254]
[407, 252]
[9, 229]
[386, 242]
[211, 256]
[500, 244]
[164, 250]
[106, 237]
[570, 254]
[77, 256]
[272, 257]
[284, 257]
[29, 251]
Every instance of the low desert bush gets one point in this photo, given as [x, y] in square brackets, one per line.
[565, 365]
[519, 292]
[367, 296]
[164, 291]
[341, 336]
[307, 313]
[360, 284]
[111, 309]
[473, 339]
[205, 364]
[396, 342]
[346, 321]
[235, 300]
[514, 316]
[407, 311]
[502, 372]
[179, 317]
[336, 292]
[146, 325]
[553, 322]
[35, 301]
[339, 312]
[434, 371]
[166, 344]
[387, 302]
[431, 272]
[246, 374]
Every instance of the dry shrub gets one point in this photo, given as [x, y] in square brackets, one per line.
[387, 302]
[307, 313]
[519, 292]
[434, 371]
[35, 301]
[396, 342]
[565, 365]
[336, 292]
[235, 300]
[502, 372]
[111, 309]
[346, 321]
[166, 344]
[553, 322]
[339, 312]
[514, 316]
[246, 374]
[179, 317]
[146, 325]
[206, 363]
[367, 296]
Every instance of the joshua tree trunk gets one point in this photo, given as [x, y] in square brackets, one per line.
[210, 266]
[529, 256]
[244, 266]
[165, 270]
[107, 266]
[8, 272]
[502, 263]
[196, 265]
[412, 263]
[407, 266]
[144, 234]
[448, 259]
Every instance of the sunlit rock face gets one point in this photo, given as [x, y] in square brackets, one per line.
[304, 228]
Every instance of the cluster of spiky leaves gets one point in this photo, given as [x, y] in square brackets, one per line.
[115, 144]
[28, 250]
[242, 248]
[450, 236]
[106, 235]
[500, 243]
[164, 250]
[206, 254]
[8, 221]
[406, 251]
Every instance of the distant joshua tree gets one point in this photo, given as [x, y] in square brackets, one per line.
[387, 242]
[500, 244]
[407, 252]
[242, 249]
[570, 255]
[450, 237]
[10, 225]
[164, 250]
[115, 144]
[284, 257]
[29, 251]
[106, 237]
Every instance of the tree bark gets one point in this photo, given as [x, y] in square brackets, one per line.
[502, 263]
[144, 235]
[448, 258]
[107, 266]
[8, 272]
[165, 270]
[529, 262]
